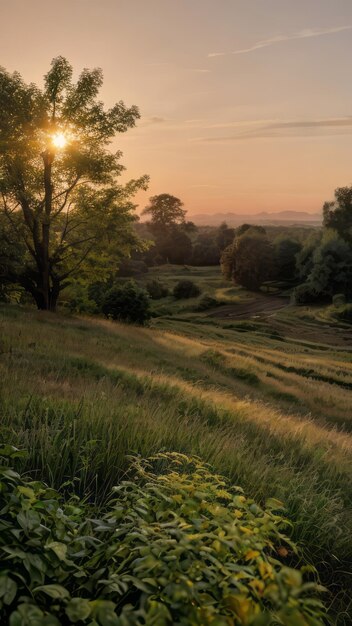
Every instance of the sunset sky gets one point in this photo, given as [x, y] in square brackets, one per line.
[246, 104]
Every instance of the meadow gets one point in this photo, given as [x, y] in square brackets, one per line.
[266, 400]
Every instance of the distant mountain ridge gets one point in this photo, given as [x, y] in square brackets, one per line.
[285, 218]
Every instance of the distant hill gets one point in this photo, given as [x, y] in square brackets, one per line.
[285, 218]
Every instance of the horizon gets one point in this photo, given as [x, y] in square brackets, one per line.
[243, 109]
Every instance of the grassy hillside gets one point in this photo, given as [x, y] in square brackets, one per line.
[269, 411]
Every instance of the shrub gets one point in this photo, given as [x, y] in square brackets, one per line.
[128, 303]
[339, 299]
[175, 545]
[77, 299]
[206, 302]
[345, 313]
[157, 290]
[304, 294]
[186, 289]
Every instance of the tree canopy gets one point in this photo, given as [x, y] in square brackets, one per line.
[62, 209]
[249, 260]
[165, 212]
[338, 214]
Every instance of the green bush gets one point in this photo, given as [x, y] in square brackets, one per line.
[77, 299]
[304, 294]
[186, 289]
[206, 302]
[157, 290]
[128, 303]
[176, 545]
[339, 299]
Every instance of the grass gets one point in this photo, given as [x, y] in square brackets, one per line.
[270, 412]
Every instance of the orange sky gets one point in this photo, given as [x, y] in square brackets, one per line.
[246, 104]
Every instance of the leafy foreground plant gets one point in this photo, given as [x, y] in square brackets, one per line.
[176, 545]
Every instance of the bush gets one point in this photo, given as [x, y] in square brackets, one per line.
[304, 294]
[186, 289]
[345, 313]
[157, 290]
[206, 302]
[77, 299]
[176, 545]
[339, 299]
[128, 303]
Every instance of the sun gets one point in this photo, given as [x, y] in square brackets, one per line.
[59, 140]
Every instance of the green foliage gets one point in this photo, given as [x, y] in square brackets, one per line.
[186, 289]
[339, 299]
[128, 303]
[77, 299]
[332, 265]
[157, 290]
[285, 253]
[177, 544]
[304, 294]
[62, 213]
[206, 250]
[249, 260]
[165, 211]
[225, 236]
[206, 302]
[338, 214]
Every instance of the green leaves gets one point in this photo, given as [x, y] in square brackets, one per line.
[53, 591]
[8, 589]
[177, 544]
[45, 228]
[78, 609]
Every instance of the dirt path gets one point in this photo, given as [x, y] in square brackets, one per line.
[265, 308]
[261, 305]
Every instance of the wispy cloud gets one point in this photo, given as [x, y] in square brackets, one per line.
[293, 128]
[302, 34]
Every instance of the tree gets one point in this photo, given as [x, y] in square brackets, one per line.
[174, 247]
[338, 214]
[332, 266]
[166, 212]
[225, 236]
[205, 250]
[304, 260]
[249, 260]
[285, 253]
[64, 211]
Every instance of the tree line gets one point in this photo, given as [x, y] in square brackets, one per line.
[321, 267]
[65, 217]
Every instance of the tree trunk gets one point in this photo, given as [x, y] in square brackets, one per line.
[48, 158]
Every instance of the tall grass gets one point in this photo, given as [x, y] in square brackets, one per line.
[81, 394]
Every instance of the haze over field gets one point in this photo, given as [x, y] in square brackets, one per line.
[245, 105]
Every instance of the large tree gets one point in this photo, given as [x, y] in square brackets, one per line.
[62, 210]
[285, 254]
[338, 214]
[249, 260]
[165, 213]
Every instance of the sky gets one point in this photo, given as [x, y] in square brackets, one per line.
[246, 105]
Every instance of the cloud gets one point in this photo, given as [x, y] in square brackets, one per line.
[303, 34]
[279, 129]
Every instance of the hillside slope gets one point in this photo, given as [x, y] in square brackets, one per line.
[272, 415]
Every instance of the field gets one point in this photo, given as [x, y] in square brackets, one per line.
[263, 395]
